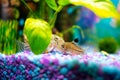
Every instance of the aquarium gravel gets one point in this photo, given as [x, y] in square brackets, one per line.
[57, 66]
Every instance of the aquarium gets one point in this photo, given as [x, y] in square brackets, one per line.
[60, 40]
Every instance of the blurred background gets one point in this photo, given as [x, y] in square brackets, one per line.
[73, 22]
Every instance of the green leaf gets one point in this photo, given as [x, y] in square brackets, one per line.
[52, 4]
[63, 2]
[38, 33]
[102, 8]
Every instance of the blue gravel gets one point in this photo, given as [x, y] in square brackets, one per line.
[59, 67]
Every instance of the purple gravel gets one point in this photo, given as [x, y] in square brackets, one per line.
[90, 66]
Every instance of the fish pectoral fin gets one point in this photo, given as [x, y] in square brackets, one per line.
[80, 50]
[46, 52]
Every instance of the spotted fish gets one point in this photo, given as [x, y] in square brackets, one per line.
[56, 43]
[66, 47]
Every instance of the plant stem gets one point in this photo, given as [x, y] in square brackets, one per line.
[52, 22]
[70, 29]
[31, 11]
[8, 32]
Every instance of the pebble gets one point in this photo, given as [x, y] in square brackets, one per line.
[63, 71]
[58, 66]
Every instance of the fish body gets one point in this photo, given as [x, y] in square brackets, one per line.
[71, 48]
[56, 43]
[22, 46]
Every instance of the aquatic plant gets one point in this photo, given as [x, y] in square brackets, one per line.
[38, 33]
[8, 33]
[99, 7]
[108, 44]
[76, 30]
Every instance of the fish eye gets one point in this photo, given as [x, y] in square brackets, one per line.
[56, 39]
[76, 40]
